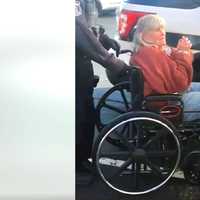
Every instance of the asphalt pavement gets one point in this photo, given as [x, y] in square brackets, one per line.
[175, 189]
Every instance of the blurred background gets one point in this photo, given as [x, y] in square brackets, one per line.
[36, 113]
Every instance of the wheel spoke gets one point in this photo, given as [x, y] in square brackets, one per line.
[114, 108]
[136, 173]
[155, 169]
[158, 154]
[130, 146]
[117, 138]
[138, 133]
[131, 134]
[124, 99]
[115, 155]
[121, 168]
[154, 139]
[116, 142]
[123, 132]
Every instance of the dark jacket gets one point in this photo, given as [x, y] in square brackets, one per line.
[89, 48]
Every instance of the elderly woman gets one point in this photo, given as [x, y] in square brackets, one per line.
[165, 69]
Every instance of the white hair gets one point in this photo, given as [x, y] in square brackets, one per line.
[144, 24]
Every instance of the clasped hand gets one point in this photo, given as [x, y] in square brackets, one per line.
[184, 44]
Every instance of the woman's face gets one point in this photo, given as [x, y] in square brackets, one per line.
[156, 36]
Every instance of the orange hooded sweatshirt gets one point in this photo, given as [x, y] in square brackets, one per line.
[164, 73]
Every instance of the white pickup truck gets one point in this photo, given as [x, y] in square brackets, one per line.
[103, 5]
[182, 18]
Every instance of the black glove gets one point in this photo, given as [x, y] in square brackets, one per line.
[94, 30]
[125, 71]
[118, 72]
[107, 42]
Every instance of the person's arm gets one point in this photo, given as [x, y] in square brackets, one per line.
[183, 56]
[183, 59]
[93, 49]
[162, 74]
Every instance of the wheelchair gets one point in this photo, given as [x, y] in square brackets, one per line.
[145, 140]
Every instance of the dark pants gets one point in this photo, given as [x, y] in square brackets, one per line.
[85, 123]
[196, 67]
[85, 111]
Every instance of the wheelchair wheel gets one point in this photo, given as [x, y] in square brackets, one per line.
[191, 169]
[114, 102]
[148, 158]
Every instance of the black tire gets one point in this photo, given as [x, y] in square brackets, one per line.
[105, 103]
[149, 157]
[191, 168]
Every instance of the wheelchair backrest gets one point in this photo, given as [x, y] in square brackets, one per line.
[169, 106]
[136, 87]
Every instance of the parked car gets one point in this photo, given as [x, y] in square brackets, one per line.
[181, 17]
[103, 5]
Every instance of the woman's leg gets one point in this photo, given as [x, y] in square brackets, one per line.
[191, 102]
[195, 87]
[115, 100]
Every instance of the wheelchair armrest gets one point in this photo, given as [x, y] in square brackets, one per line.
[163, 97]
[169, 106]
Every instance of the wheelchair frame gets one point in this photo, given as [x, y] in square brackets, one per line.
[148, 147]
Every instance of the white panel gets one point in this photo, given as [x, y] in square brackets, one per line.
[36, 99]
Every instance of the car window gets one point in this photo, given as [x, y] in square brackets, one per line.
[172, 39]
[196, 1]
[184, 4]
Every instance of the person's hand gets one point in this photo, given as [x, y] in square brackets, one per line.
[94, 30]
[119, 72]
[107, 42]
[184, 44]
[125, 71]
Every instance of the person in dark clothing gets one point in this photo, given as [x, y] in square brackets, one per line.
[89, 48]
[196, 67]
